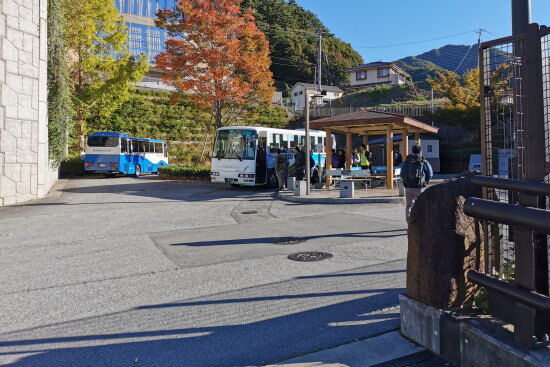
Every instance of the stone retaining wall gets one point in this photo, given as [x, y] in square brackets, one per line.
[25, 171]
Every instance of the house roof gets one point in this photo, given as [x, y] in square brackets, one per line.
[310, 86]
[378, 64]
[370, 65]
[369, 122]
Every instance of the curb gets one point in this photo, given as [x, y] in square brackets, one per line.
[288, 196]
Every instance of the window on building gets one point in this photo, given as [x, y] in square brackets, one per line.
[295, 94]
[430, 148]
[301, 92]
[143, 39]
[361, 75]
[383, 72]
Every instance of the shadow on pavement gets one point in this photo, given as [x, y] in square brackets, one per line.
[374, 234]
[238, 344]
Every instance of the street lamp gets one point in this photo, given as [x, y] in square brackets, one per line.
[308, 141]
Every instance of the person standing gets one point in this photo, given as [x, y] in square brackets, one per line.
[416, 173]
[364, 157]
[300, 163]
[281, 167]
[355, 158]
[341, 159]
[334, 159]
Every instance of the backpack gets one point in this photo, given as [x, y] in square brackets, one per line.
[413, 174]
[282, 163]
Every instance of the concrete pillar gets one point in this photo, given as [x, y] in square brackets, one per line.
[389, 156]
[328, 159]
[348, 150]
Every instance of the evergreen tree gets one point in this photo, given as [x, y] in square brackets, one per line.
[102, 70]
[60, 106]
[293, 46]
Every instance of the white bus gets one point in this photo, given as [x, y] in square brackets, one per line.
[244, 155]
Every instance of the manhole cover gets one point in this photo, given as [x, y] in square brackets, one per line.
[286, 241]
[250, 212]
[309, 256]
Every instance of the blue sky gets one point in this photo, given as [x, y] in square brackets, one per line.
[372, 23]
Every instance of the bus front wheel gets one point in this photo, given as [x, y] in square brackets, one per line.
[138, 171]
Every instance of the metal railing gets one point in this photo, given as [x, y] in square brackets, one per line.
[327, 111]
[526, 307]
[515, 128]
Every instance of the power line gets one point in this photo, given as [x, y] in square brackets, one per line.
[416, 42]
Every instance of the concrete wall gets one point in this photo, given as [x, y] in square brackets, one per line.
[25, 171]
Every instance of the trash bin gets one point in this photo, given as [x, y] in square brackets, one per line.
[300, 188]
[290, 183]
[347, 189]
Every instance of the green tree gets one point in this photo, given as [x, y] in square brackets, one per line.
[60, 105]
[102, 70]
[290, 30]
[461, 93]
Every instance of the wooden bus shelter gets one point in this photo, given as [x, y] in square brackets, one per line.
[369, 123]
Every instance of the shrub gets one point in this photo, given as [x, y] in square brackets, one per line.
[184, 173]
[72, 166]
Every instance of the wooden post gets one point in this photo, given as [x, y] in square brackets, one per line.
[328, 157]
[405, 143]
[348, 150]
[389, 156]
[366, 141]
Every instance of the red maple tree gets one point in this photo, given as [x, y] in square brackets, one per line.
[216, 54]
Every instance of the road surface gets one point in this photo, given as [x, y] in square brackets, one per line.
[140, 272]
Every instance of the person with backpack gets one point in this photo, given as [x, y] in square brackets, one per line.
[416, 173]
[281, 168]
[300, 163]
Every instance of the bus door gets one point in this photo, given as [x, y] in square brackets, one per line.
[261, 160]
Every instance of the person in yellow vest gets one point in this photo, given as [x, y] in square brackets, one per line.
[364, 162]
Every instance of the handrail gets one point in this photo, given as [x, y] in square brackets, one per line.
[515, 215]
[528, 187]
[529, 298]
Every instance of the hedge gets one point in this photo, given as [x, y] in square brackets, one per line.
[184, 173]
[72, 166]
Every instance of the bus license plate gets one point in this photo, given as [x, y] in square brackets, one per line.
[101, 165]
[230, 180]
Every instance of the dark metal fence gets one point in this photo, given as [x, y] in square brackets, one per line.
[515, 128]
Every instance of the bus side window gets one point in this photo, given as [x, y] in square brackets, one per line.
[165, 149]
[123, 146]
[135, 146]
[158, 148]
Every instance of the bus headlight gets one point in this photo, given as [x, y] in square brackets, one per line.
[246, 175]
[214, 173]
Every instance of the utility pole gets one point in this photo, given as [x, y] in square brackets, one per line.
[521, 16]
[320, 60]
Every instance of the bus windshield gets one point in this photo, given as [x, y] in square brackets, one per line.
[103, 141]
[235, 144]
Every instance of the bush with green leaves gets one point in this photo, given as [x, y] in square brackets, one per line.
[184, 173]
[71, 166]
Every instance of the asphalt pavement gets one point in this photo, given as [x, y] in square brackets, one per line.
[141, 272]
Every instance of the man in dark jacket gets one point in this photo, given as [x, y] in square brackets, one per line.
[300, 163]
[416, 173]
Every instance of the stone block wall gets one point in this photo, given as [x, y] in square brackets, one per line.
[25, 170]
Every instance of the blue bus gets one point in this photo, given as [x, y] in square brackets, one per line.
[112, 152]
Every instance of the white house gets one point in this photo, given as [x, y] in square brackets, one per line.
[300, 90]
[376, 73]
